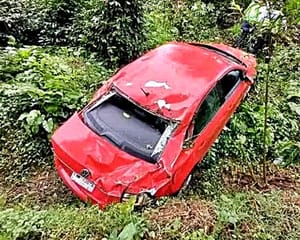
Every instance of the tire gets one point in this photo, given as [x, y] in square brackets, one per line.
[185, 184]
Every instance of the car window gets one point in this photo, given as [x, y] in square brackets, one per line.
[129, 127]
[228, 83]
[213, 102]
[207, 110]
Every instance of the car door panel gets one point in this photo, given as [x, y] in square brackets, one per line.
[212, 130]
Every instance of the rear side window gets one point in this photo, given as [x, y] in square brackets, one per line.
[207, 110]
[228, 83]
[212, 103]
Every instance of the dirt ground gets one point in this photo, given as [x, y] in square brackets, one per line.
[240, 179]
[40, 189]
[183, 216]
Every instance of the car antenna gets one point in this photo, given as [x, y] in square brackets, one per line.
[146, 93]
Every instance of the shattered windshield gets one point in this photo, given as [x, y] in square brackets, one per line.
[128, 126]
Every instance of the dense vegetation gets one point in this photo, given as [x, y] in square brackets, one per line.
[55, 54]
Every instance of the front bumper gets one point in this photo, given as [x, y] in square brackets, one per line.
[98, 196]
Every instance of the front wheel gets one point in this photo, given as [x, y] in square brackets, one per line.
[184, 185]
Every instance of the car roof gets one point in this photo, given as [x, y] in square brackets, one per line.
[173, 78]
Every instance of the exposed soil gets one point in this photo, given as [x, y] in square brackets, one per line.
[191, 215]
[241, 179]
[292, 198]
[42, 188]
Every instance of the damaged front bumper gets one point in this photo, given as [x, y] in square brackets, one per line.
[97, 196]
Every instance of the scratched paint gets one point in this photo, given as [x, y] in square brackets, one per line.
[175, 69]
[163, 104]
[154, 84]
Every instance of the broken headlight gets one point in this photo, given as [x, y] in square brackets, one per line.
[141, 199]
[127, 196]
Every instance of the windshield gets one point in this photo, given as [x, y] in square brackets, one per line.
[128, 126]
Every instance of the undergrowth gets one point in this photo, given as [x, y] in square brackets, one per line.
[232, 215]
[118, 222]
[40, 89]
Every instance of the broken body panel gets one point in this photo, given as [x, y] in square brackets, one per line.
[169, 83]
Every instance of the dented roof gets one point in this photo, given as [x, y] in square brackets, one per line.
[172, 78]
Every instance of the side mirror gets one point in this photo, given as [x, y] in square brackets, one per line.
[246, 78]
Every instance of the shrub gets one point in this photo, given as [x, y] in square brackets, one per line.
[228, 12]
[196, 21]
[168, 20]
[11, 19]
[112, 29]
[291, 10]
[38, 22]
[40, 90]
[158, 24]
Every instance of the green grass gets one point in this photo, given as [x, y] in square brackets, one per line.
[71, 222]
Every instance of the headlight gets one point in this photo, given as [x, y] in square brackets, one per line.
[127, 196]
[141, 199]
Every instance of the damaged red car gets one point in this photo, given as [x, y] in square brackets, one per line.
[149, 125]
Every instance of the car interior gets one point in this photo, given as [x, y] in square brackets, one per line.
[127, 126]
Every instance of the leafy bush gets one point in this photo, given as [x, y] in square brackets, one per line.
[113, 29]
[167, 20]
[39, 90]
[158, 24]
[196, 21]
[38, 22]
[228, 12]
[292, 9]
[110, 28]
[10, 15]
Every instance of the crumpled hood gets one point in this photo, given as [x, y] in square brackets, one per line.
[78, 147]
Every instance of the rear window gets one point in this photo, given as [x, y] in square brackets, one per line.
[129, 127]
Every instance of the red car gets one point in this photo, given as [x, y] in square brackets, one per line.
[148, 126]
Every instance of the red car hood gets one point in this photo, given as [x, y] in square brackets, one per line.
[80, 148]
